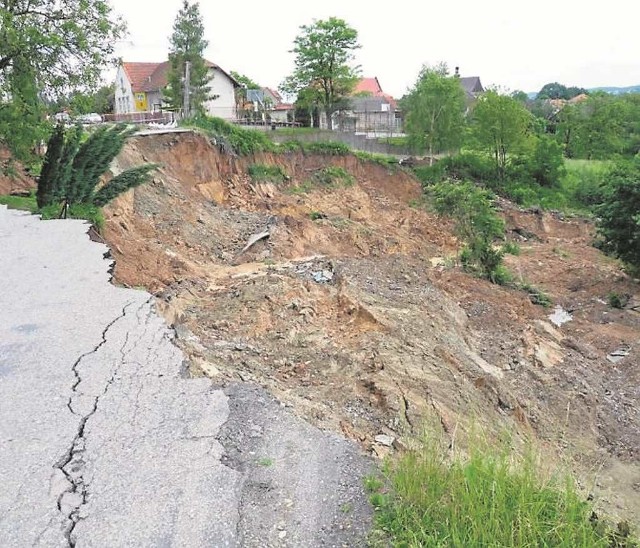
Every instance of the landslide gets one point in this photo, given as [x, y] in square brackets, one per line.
[352, 312]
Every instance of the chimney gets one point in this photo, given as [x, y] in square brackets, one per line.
[457, 73]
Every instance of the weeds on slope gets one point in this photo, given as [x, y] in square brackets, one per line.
[428, 498]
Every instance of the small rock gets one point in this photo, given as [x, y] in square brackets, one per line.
[282, 534]
[384, 439]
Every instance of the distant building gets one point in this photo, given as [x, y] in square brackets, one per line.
[471, 85]
[140, 88]
[370, 110]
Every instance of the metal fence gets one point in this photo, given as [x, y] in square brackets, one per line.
[158, 117]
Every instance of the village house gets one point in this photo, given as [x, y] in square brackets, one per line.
[140, 87]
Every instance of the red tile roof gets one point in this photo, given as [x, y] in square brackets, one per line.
[369, 85]
[154, 76]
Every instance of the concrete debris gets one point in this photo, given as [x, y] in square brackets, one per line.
[254, 239]
[384, 439]
[560, 316]
[322, 276]
[618, 355]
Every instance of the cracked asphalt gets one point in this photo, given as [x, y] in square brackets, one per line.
[105, 440]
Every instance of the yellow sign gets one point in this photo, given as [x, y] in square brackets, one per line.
[141, 102]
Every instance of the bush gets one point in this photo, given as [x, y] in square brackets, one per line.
[242, 141]
[619, 224]
[267, 173]
[333, 176]
[618, 300]
[477, 224]
[328, 148]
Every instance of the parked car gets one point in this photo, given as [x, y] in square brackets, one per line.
[91, 118]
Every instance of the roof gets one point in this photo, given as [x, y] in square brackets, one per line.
[284, 106]
[368, 85]
[372, 86]
[471, 84]
[274, 94]
[154, 76]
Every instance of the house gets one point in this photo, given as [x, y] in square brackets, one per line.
[140, 87]
[371, 110]
[471, 85]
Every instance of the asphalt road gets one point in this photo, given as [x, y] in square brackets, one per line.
[105, 441]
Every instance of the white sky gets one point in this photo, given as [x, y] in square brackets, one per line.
[509, 43]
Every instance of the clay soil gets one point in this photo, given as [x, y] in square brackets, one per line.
[354, 313]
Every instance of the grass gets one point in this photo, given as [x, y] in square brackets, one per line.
[24, 203]
[429, 498]
[242, 141]
[267, 173]
[266, 462]
[333, 176]
[89, 212]
[385, 160]
[536, 296]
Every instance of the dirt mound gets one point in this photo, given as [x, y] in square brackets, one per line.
[345, 303]
[13, 178]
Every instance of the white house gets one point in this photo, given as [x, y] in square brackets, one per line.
[139, 88]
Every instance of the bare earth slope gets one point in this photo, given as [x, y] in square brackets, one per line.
[349, 313]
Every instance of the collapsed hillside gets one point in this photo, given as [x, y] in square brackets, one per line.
[346, 306]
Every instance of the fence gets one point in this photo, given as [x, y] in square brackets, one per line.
[367, 143]
[158, 117]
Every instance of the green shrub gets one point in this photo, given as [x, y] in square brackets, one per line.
[511, 248]
[327, 148]
[333, 176]
[477, 224]
[267, 173]
[619, 224]
[242, 141]
[536, 296]
[618, 300]
[382, 159]
[490, 498]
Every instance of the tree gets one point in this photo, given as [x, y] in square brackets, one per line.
[619, 215]
[500, 126]
[435, 109]
[46, 48]
[187, 46]
[520, 96]
[324, 52]
[554, 90]
[245, 81]
[71, 170]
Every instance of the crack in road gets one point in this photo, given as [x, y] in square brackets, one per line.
[76, 490]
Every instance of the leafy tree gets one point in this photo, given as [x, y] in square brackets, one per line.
[435, 109]
[247, 82]
[547, 161]
[67, 43]
[619, 215]
[500, 125]
[520, 96]
[555, 90]
[324, 52]
[47, 47]
[21, 118]
[188, 45]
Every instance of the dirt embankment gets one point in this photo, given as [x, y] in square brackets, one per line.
[350, 310]
[13, 177]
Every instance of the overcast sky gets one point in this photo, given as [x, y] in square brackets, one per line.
[509, 43]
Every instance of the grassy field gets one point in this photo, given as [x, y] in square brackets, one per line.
[27, 203]
[487, 499]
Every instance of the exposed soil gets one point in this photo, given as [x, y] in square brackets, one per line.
[13, 177]
[353, 313]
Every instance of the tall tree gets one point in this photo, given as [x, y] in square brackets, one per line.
[500, 125]
[188, 45]
[46, 48]
[324, 55]
[435, 109]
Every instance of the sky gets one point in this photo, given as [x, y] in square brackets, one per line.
[508, 43]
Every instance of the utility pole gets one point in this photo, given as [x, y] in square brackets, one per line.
[187, 89]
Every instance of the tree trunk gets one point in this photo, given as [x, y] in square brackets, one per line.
[328, 113]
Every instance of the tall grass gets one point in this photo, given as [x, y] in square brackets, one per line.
[487, 499]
